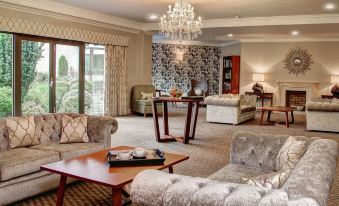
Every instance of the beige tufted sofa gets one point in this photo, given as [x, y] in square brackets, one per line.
[230, 109]
[20, 174]
[323, 115]
[251, 155]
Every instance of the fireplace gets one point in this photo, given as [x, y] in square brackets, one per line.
[311, 90]
[296, 99]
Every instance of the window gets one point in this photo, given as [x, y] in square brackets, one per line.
[50, 75]
[6, 73]
[94, 79]
[35, 72]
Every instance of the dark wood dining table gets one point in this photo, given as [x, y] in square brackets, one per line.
[190, 123]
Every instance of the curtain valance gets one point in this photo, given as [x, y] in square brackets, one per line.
[11, 24]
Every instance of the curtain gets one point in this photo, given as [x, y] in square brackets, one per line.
[116, 80]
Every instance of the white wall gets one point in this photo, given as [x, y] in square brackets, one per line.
[267, 57]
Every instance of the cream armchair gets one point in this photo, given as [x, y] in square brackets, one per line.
[230, 109]
[143, 106]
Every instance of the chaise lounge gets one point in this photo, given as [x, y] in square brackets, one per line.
[252, 155]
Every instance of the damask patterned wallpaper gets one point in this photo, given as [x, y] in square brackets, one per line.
[178, 64]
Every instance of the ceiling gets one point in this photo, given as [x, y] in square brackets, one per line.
[138, 10]
[265, 20]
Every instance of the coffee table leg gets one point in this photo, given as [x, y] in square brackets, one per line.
[61, 190]
[262, 116]
[116, 197]
[188, 122]
[287, 123]
[292, 115]
[170, 169]
[269, 116]
[156, 121]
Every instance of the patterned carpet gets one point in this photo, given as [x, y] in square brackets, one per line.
[208, 152]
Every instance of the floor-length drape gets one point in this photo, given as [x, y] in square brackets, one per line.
[116, 80]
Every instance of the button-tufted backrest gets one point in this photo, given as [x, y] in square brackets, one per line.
[258, 150]
[48, 127]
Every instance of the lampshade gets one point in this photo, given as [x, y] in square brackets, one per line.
[334, 79]
[258, 77]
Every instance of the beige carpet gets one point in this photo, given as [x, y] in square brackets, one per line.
[208, 152]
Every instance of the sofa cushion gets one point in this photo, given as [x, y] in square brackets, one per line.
[74, 130]
[236, 172]
[290, 154]
[22, 131]
[68, 151]
[244, 109]
[146, 96]
[21, 161]
[143, 102]
[273, 180]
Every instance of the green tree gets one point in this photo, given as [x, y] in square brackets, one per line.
[5, 101]
[63, 66]
[31, 54]
[6, 59]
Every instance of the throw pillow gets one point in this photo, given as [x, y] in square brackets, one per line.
[21, 131]
[290, 154]
[274, 180]
[146, 96]
[74, 130]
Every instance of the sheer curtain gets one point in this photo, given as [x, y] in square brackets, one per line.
[116, 80]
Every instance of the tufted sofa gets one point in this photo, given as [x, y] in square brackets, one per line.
[251, 155]
[230, 109]
[323, 115]
[20, 174]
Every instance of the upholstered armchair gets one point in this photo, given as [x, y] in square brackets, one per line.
[230, 109]
[251, 155]
[140, 104]
[323, 115]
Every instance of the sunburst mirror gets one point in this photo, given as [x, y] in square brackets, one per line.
[298, 61]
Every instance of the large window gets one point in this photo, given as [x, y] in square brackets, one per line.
[49, 76]
[6, 72]
[94, 79]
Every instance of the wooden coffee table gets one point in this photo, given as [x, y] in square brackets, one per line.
[94, 168]
[285, 110]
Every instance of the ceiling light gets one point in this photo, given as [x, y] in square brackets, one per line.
[180, 22]
[153, 17]
[295, 33]
[330, 6]
[230, 35]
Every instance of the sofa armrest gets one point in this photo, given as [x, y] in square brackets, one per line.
[156, 188]
[248, 100]
[314, 174]
[100, 129]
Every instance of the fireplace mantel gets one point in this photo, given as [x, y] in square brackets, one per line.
[310, 88]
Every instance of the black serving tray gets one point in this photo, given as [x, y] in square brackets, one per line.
[135, 161]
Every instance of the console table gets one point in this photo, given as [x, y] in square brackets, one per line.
[262, 96]
[191, 118]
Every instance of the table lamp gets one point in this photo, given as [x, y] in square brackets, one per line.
[335, 88]
[257, 87]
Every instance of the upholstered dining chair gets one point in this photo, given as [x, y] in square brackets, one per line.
[199, 87]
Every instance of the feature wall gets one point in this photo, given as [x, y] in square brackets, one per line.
[175, 65]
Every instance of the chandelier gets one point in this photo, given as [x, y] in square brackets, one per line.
[180, 22]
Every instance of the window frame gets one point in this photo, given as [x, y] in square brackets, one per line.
[17, 69]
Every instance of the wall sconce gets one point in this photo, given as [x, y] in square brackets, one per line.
[335, 88]
[258, 87]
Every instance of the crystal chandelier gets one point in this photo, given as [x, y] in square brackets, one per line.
[180, 23]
